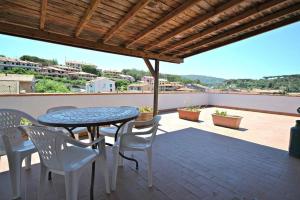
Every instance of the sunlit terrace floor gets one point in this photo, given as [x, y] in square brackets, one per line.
[196, 160]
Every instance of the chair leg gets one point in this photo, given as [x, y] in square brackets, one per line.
[43, 181]
[103, 163]
[28, 162]
[121, 160]
[15, 167]
[72, 184]
[115, 150]
[149, 156]
[76, 136]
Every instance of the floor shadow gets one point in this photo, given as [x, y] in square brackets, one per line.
[239, 129]
[187, 164]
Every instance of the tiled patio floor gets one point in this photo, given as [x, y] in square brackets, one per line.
[197, 161]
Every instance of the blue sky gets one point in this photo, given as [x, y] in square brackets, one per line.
[273, 53]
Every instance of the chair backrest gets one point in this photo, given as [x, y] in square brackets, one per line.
[124, 128]
[10, 119]
[150, 132]
[50, 143]
[53, 109]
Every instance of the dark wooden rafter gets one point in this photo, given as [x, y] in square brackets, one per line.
[163, 20]
[150, 67]
[242, 28]
[87, 15]
[266, 6]
[245, 36]
[17, 30]
[136, 8]
[44, 5]
[201, 19]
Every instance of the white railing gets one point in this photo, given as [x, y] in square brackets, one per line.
[38, 104]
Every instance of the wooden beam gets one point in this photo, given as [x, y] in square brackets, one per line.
[245, 36]
[22, 31]
[150, 67]
[248, 13]
[87, 15]
[44, 5]
[236, 30]
[166, 18]
[201, 19]
[156, 85]
[136, 8]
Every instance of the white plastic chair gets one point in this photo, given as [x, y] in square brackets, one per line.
[110, 131]
[75, 131]
[136, 141]
[66, 156]
[15, 146]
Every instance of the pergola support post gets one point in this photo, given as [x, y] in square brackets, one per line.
[155, 73]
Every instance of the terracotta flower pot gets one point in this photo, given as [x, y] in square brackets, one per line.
[227, 121]
[144, 116]
[188, 115]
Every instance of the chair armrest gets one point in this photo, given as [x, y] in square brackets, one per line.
[83, 144]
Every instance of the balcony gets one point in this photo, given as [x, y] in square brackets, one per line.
[191, 160]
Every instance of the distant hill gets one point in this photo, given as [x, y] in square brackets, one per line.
[209, 80]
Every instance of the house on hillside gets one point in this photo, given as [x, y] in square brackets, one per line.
[82, 75]
[139, 87]
[100, 84]
[53, 71]
[16, 83]
[126, 77]
[9, 63]
[111, 73]
[78, 65]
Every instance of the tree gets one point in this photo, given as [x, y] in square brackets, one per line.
[121, 85]
[43, 61]
[90, 69]
[2, 56]
[50, 86]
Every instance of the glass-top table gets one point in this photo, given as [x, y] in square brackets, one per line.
[91, 118]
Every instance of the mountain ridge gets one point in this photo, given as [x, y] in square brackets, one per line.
[209, 80]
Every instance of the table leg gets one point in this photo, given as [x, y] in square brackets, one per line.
[93, 131]
[122, 155]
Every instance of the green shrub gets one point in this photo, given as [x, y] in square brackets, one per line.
[221, 113]
[193, 108]
[50, 86]
[145, 109]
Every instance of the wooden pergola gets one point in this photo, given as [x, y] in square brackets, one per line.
[163, 30]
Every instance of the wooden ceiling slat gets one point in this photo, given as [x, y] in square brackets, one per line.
[160, 29]
[266, 6]
[43, 14]
[194, 23]
[245, 36]
[137, 7]
[87, 15]
[252, 24]
[163, 20]
[31, 33]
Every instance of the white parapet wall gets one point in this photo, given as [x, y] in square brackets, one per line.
[38, 104]
[271, 103]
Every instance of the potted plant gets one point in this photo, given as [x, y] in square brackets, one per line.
[190, 113]
[146, 113]
[221, 118]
